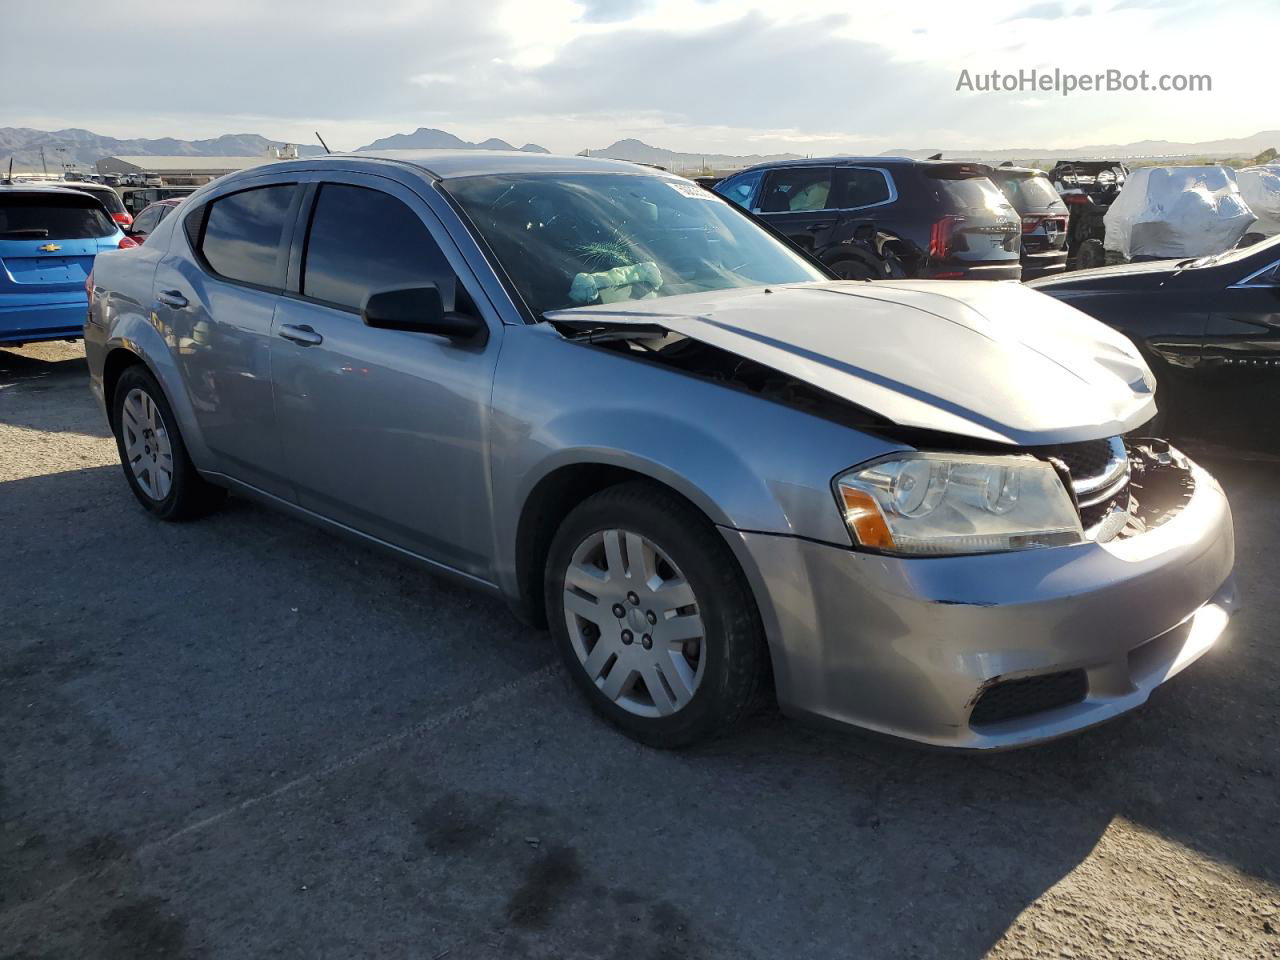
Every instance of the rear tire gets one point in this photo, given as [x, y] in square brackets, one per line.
[1092, 254]
[152, 454]
[686, 659]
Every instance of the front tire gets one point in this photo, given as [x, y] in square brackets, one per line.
[154, 458]
[653, 618]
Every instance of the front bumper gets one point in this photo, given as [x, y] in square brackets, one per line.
[908, 646]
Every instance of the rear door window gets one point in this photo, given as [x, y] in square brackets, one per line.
[363, 241]
[797, 189]
[243, 233]
[52, 216]
[858, 187]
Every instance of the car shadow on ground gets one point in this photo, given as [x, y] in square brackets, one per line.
[153, 675]
[53, 381]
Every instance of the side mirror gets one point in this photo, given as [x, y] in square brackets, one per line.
[421, 310]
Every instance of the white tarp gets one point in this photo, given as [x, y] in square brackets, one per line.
[1260, 187]
[1177, 212]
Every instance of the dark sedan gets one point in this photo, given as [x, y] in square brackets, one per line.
[1210, 330]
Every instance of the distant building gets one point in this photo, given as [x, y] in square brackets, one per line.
[191, 170]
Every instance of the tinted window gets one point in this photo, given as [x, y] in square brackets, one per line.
[362, 241]
[243, 231]
[795, 189]
[861, 188]
[37, 216]
[740, 189]
[1029, 193]
[975, 193]
[576, 239]
[147, 220]
[104, 195]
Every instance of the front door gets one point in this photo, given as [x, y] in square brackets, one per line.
[383, 430]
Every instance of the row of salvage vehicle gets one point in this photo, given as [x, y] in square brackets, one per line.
[711, 465]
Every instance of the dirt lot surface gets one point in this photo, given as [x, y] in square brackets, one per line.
[244, 738]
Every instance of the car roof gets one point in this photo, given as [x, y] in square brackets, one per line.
[848, 161]
[452, 164]
[38, 188]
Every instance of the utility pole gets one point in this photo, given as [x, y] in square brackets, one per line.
[44, 166]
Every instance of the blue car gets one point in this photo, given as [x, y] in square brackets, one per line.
[48, 239]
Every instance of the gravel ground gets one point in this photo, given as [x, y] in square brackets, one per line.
[245, 738]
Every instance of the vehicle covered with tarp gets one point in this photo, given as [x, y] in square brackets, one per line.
[1260, 187]
[1176, 212]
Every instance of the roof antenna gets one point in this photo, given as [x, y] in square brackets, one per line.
[322, 143]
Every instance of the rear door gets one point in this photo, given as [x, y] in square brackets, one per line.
[383, 431]
[218, 302]
[796, 201]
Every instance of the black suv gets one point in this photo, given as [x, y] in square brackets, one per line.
[873, 217]
[1044, 219]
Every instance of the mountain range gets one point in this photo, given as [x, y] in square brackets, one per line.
[426, 138]
[85, 148]
[1239, 147]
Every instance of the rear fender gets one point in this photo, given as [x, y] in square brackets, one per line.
[135, 329]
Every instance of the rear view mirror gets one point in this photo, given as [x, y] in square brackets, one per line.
[420, 310]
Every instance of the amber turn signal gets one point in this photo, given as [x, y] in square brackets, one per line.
[865, 519]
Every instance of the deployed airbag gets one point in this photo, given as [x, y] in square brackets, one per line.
[610, 286]
[1177, 212]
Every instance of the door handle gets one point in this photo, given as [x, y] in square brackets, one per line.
[172, 298]
[825, 224]
[300, 334]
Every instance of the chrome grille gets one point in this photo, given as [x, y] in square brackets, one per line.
[1100, 474]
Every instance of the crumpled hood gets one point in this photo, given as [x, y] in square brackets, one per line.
[990, 360]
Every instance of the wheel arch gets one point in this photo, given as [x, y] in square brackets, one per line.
[552, 498]
[117, 361]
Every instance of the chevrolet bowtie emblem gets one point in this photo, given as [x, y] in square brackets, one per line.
[50, 248]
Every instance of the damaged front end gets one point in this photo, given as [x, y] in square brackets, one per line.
[1123, 487]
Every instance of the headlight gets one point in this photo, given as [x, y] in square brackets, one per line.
[933, 504]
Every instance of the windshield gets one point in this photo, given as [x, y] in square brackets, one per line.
[570, 240]
[1263, 248]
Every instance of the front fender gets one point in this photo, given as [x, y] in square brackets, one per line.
[746, 462]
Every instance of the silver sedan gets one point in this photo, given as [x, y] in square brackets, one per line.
[645, 421]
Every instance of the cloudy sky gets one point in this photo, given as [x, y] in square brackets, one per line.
[697, 75]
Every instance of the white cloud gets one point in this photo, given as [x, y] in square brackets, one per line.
[717, 75]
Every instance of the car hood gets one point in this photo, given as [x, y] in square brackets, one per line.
[989, 360]
[1129, 276]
